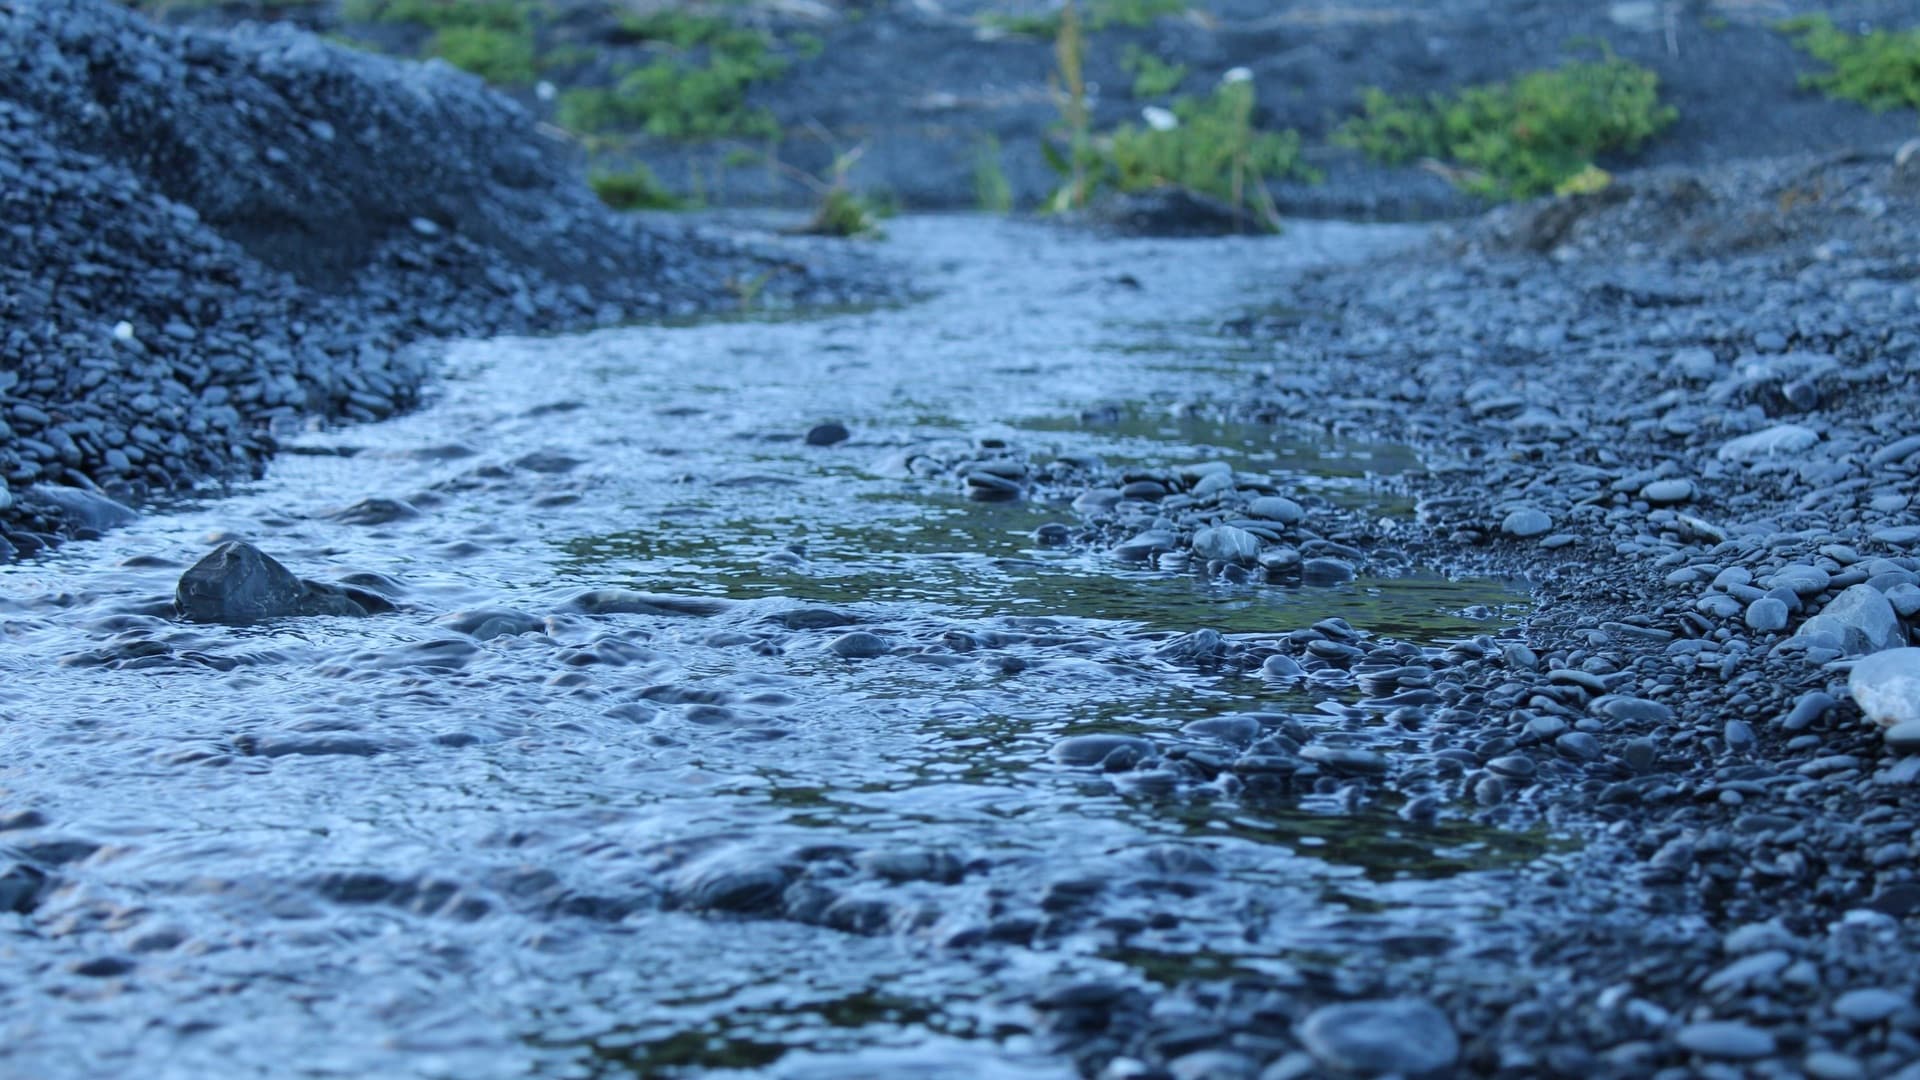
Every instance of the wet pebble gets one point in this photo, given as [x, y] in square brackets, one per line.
[827, 434]
[858, 645]
[1526, 523]
[1726, 1039]
[1093, 749]
[1668, 492]
[1380, 1038]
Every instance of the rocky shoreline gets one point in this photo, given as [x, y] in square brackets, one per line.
[217, 235]
[1682, 411]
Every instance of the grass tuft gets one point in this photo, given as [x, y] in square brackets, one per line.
[633, 188]
[1517, 139]
[1879, 69]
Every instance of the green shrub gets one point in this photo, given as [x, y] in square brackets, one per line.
[1521, 138]
[504, 15]
[1152, 76]
[699, 92]
[635, 188]
[846, 214]
[1880, 70]
[1100, 15]
[503, 57]
[1215, 150]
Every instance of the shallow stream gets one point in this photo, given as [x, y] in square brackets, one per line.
[385, 846]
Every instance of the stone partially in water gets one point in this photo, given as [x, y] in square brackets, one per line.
[827, 434]
[1277, 508]
[1859, 620]
[1381, 1038]
[1093, 749]
[374, 511]
[1228, 544]
[1325, 571]
[239, 583]
[487, 623]
[859, 645]
[629, 602]
[1886, 686]
[79, 508]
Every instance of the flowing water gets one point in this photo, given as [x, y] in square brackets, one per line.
[382, 846]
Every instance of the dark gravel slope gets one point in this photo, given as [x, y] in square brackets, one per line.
[211, 232]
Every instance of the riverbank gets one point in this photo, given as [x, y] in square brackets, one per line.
[219, 237]
[949, 103]
[1682, 410]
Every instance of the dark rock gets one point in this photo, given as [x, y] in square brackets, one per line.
[238, 583]
[827, 434]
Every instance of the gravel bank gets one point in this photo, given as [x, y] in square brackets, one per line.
[213, 233]
[1684, 410]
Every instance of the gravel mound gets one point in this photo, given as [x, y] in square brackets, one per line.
[211, 232]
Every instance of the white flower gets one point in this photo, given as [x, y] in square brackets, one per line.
[123, 331]
[1159, 119]
[1237, 75]
[545, 90]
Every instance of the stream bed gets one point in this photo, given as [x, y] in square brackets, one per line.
[534, 824]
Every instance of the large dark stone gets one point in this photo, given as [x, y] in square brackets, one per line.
[239, 583]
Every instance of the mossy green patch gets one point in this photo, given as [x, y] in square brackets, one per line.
[633, 188]
[509, 15]
[698, 90]
[1213, 148]
[502, 57]
[1152, 76]
[1879, 69]
[1099, 15]
[1520, 138]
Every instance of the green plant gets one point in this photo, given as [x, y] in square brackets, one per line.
[1214, 149]
[1068, 85]
[634, 188]
[1101, 15]
[441, 14]
[807, 46]
[1880, 69]
[697, 92]
[503, 57]
[1152, 76]
[1520, 138]
[990, 187]
[1043, 24]
[843, 211]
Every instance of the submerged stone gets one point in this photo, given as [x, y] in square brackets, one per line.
[1093, 749]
